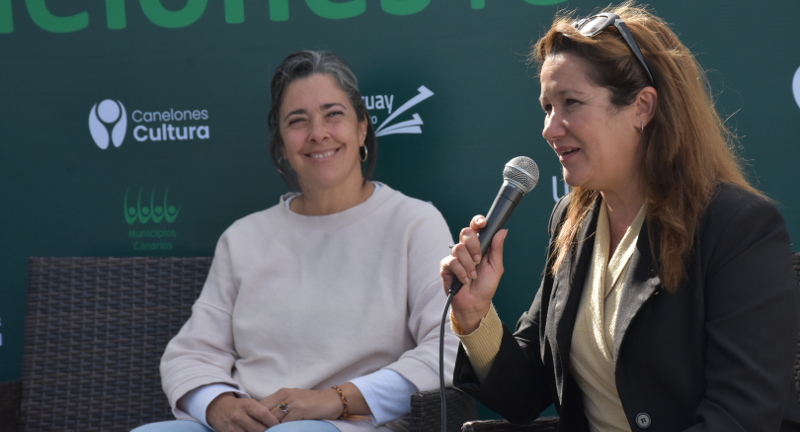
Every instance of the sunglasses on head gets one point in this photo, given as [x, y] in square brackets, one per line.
[593, 25]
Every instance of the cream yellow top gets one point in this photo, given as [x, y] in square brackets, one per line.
[483, 344]
[591, 354]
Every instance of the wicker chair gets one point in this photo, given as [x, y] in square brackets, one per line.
[10, 393]
[95, 331]
[550, 424]
[542, 424]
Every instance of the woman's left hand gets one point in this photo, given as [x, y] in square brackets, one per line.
[300, 404]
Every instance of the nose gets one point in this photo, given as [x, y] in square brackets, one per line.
[318, 131]
[554, 127]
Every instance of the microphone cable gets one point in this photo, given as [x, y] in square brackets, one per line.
[442, 387]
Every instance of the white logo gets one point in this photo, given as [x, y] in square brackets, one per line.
[108, 122]
[411, 126]
[796, 86]
[556, 196]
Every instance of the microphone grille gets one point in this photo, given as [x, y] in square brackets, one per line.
[522, 172]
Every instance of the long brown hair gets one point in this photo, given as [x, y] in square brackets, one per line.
[688, 151]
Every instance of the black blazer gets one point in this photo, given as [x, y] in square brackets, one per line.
[717, 355]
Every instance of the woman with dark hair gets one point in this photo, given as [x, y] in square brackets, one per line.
[668, 300]
[319, 314]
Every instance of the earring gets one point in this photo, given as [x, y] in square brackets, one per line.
[363, 153]
[641, 128]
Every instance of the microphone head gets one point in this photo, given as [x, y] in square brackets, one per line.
[522, 172]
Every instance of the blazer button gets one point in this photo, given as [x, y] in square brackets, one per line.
[643, 420]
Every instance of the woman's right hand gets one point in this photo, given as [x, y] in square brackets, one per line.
[480, 275]
[227, 413]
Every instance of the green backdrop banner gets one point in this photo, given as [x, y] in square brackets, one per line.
[138, 127]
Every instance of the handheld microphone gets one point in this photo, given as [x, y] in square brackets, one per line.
[520, 176]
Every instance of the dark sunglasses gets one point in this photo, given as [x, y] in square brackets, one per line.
[593, 25]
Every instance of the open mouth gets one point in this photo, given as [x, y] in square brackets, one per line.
[323, 155]
[570, 151]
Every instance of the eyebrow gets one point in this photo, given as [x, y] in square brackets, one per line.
[566, 91]
[326, 106]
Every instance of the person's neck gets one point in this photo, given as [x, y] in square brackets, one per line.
[321, 202]
[622, 210]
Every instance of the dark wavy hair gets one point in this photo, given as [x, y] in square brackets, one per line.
[303, 64]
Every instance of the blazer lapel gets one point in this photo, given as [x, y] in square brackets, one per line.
[640, 284]
[566, 295]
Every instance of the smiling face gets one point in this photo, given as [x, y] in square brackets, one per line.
[597, 143]
[321, 134]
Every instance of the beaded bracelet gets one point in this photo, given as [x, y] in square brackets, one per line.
[345, 412]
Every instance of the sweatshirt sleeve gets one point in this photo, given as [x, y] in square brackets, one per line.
[387, 393]
[427, 238]
[202, 352]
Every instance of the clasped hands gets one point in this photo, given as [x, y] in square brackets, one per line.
[228, 413]
[480, 275]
